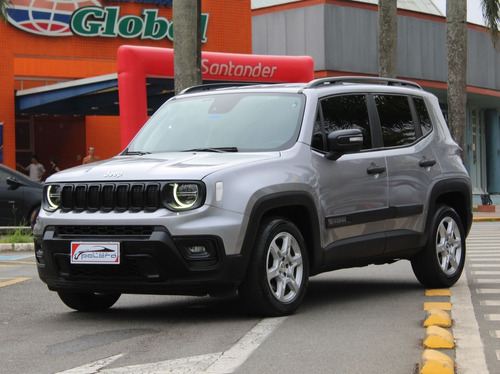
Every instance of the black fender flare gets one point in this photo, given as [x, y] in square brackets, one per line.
[445, 189]
[284, 200]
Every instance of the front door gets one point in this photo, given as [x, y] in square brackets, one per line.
[352, 189]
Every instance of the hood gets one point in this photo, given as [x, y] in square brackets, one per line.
[178, 165]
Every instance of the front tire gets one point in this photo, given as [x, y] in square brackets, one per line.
[441, 262]
[278, 271]
[88, 301]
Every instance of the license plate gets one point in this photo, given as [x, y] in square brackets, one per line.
[99, 253]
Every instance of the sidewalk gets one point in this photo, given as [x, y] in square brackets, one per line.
[487, 217]
[477, 217]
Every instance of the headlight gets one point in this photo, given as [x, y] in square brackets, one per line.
[183, 196]
[52, 197]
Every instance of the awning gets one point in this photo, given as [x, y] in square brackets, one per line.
[88, 96]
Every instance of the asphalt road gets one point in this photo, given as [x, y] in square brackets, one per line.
[366, 320]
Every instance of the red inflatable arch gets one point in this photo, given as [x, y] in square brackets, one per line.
[137, 63]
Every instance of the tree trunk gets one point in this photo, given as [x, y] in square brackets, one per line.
[187, 43]
[387, 38]
[456, 51]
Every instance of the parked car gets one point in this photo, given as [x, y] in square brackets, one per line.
[20, 198]
[255, 189]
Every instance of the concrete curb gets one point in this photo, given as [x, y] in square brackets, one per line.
[486, 219]
[16, 247]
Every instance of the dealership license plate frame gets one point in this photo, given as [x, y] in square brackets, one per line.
[95, 253]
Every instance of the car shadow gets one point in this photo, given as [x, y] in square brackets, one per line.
[330, 291]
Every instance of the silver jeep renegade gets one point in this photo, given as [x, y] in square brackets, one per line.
[255, 189]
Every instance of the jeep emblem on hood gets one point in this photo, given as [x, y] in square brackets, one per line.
[115, 174]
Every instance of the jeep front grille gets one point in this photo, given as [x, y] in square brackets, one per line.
[108, 197]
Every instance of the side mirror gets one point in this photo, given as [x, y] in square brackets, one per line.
[11, 181]
[341, 142]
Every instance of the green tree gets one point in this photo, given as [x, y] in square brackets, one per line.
[4, 5]
[387, 38]
[187, 43]
[456, 42]
[491, 15]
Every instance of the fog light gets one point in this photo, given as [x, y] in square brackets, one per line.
[197, 249]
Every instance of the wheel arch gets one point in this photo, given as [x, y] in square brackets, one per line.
[297, 207]
[456, 193]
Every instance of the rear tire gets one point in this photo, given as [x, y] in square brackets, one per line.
[441, 262]
[278, 271]
[88, 301]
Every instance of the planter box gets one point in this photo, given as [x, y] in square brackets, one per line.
[486, 208]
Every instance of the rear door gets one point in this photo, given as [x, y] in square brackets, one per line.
[411, 165]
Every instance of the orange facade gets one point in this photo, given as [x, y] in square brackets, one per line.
[28, 60]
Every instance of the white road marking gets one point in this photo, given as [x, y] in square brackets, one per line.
[93, 367]
[489, 302]
[487, 280]
[495, 334]
[492, 317]
[484, 265]
[211, 363]
[488, 290]
[483, 272]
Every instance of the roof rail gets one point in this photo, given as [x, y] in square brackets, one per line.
[370, 80]
[215, 86]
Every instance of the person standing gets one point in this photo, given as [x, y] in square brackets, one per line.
[91, 157]
[54, 168]
[35, 170]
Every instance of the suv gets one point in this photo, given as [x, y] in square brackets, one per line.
[255, 189]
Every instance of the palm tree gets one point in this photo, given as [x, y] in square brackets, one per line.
[456, 57]
[387, 38]
[187, 43]
[491, 14]
[4, 4]
[456, 41]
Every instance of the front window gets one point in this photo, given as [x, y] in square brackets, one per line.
[246, 122]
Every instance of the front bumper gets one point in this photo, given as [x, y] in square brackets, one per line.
[152, 262]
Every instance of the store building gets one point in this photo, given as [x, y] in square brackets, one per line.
[58, 77]
[341, 36]
[58, 58]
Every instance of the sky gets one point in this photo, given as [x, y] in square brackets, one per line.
[474, 13]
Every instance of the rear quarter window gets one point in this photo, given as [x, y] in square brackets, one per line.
[423, 115]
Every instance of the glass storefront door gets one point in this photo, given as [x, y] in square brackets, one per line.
[477, 151]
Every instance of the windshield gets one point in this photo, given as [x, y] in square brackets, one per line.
[223, 122]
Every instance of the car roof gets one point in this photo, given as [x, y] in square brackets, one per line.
[330, 85]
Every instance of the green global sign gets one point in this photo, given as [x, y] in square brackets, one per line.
[95, 21]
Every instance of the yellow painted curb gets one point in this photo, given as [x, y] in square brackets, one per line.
[442, 306]
[435, 362]
[438, 292]
[437, 337]
[486, 219]
[437, 317]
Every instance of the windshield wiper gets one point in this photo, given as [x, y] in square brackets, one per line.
[138, 153]
[218, 149]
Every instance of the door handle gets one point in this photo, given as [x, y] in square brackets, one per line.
[376, 170]
[427, 163]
